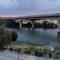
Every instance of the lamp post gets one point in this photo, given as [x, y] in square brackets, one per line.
[18, 54]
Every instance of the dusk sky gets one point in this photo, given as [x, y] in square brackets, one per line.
[28, 7]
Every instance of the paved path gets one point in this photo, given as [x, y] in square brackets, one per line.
[5, 55]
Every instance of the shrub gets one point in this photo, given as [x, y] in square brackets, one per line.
[18, 50]
[27, 51]
[50, 55]
[11, 49]
[45, 50]
[5, 37]
[14, 36]
[39, 52]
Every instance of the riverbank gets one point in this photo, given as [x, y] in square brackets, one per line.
[34, 49]
[16, 43]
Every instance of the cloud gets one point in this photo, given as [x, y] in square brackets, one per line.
[28, 7]
[8, 3]
[46, 4]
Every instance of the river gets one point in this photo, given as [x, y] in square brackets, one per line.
[48, 36]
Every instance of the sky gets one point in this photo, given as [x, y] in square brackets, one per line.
[28, 7]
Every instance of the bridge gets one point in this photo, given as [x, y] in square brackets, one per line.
[33, 18]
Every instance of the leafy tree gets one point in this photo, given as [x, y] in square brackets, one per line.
[6, 37]
[2, 22]
[44, 24]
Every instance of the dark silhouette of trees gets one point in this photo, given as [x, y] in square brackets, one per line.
[2, 22]
[44, 24]
[12, 24]
[28, 25]
[49, 25]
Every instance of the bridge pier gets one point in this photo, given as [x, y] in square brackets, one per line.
[33, 25]
[20, 24]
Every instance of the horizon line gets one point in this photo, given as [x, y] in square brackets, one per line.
[28, 15]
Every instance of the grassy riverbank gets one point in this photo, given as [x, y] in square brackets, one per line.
[17, 43]
[35, 49]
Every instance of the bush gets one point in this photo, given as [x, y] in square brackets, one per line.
[11, 23]
[30, 50]
[27, 51]
[11, 49]
[39, 52]
[5, 37]
[18, 50]
[50, 55]
[14, 36]
[45, 51]
[15, 50]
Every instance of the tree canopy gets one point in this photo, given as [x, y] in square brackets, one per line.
[6, 37]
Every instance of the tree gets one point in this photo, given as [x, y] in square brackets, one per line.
[2, 22]
[44, 24]
[11, 23]
[6, 37]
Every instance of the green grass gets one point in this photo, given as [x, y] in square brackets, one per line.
[17, 43]
[34, 44]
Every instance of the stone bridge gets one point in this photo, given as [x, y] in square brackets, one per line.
[33, 18]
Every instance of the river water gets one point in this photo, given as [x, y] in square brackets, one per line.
[48, 36]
